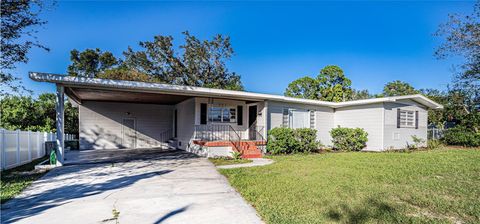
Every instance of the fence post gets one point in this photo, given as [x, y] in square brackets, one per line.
[2, 146]
[29, 147]
[18, 146]
[38, 145]
[45, 138]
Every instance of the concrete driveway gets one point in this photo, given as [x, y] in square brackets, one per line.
[136, 186]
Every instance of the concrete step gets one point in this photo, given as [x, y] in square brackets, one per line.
[252, 156]
[251, 151]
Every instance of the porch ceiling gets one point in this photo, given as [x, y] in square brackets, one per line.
[82, 94]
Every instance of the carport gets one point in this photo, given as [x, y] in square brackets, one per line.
[116, 114]
[91, 95]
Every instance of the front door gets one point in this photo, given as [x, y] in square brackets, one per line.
[252, 119]
[129, 133]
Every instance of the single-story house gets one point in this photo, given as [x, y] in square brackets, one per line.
[213, 122]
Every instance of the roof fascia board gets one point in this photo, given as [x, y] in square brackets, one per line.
[122, 85]
[422, 100]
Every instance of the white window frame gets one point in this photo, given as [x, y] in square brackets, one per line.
[407, 119]
[222, 113]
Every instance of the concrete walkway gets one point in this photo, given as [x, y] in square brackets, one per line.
[255, 162]
[142, 186]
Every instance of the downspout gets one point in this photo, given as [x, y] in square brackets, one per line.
[266, 119]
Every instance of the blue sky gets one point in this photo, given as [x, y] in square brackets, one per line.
[274, 42]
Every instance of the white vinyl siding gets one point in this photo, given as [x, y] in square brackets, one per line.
[397, 138]
[101, 124]
[369, 117]
[278, 116]
[185, 122]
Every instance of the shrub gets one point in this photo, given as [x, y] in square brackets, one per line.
[280, 141]
[462, 136]
[434, 144]
[236, 155]
[349, 139]
[284, 140]
[417, 142]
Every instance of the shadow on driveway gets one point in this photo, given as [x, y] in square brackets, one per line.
[93, 164]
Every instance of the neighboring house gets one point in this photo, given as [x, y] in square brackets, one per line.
[126, 114]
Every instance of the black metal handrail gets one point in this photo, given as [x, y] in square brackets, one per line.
[218, 132]
[255, 132]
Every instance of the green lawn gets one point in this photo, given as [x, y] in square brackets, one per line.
[439, 186]
[13, 181]
[224, 161]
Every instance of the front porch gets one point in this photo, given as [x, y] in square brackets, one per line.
[223, 140]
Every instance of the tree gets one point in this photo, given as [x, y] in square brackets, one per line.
[19, 23]
[437, 117]
[398, 88]
[462, 38]
[201, 63]
[27, 113]
[361, 94]
[89, 63]
[330, 85]
[334, 85]
[462, 35]
[306, 87]
[122, 73]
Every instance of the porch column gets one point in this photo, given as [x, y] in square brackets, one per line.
[266, 120]
[59, 107]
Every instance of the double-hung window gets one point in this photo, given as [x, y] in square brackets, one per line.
[407, 119]
[296, 118]
[222, 114]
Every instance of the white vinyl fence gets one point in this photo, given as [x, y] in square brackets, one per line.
[435, 133]
[20, 147]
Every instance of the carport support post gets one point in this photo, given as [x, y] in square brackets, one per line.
[60, 123]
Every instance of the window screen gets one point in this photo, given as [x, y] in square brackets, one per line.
[407, 119]
[222, 114]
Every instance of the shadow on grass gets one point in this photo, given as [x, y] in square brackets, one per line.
[363, 213]
[14, 180]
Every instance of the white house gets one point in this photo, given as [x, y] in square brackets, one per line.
[125, 114]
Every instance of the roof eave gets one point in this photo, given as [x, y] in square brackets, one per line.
[208, 92]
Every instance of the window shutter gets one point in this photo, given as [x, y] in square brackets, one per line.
[416, 119]
[285, 117]
[312, 119]
[398, 118]
[203, 113]
[239, 115]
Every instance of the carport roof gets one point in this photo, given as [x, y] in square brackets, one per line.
[84, 88]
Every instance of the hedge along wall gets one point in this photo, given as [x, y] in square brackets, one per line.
[349, 139]
[283, 140]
